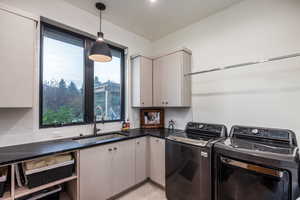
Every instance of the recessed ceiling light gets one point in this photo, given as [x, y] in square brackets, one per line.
[152, 1]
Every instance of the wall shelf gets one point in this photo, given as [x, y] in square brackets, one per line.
[243, 64]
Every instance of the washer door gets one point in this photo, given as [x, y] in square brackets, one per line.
[241, 180]
[184, 172]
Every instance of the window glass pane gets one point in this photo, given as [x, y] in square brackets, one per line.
[63, 66]
[107, 88]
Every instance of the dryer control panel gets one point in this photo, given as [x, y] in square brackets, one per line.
[263, 133]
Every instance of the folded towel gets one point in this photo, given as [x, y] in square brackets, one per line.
[35, 164]
[63, 158]
[47, 161]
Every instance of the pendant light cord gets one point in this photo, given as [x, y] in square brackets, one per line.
[100, 20]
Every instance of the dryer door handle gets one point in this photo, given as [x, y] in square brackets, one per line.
[251, 167]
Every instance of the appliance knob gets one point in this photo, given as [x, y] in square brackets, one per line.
[201, 125]
[204, 154]
[255, 131]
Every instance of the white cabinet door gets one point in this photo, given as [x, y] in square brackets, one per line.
[142, 82]
[140, 160]
[146, 82]
[162, 163]
[123, 166]
[135, 82]
[171, 87]
[96, 173]
[158, 79]
[107, 170]
[157, 160]
[17, 60]
[172, 70]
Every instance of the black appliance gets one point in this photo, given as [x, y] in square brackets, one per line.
[188, 161]
[257, 164]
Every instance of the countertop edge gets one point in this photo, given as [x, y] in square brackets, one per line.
[74, 145]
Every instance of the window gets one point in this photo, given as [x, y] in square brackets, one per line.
[73, 89]
[107, 88]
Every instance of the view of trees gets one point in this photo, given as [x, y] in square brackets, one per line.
[62, 103]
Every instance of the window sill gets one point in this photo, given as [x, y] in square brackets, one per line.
[77, 124]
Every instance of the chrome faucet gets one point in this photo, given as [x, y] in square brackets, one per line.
[96, 130]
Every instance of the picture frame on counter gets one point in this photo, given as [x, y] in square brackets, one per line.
[152, 118]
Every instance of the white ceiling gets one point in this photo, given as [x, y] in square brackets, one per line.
[154, 20]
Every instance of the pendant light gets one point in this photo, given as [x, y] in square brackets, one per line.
[100, 51]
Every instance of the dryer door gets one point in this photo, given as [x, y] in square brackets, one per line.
[241, 180]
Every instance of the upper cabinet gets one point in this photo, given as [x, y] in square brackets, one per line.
[161, 82]
[17, 59]
[141, 81]
[171, 88]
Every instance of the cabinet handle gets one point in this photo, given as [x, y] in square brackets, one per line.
[157, 140]
[163, 102]
[138, 142]
[143, 103]
[115, 148]
[109, 149]
[167, 102]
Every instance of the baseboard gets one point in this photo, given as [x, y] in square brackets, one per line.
[129, 189]
[157, 184]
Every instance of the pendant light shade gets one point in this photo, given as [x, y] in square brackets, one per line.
[100, 51]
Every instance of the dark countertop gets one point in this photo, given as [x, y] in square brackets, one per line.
[17, 153]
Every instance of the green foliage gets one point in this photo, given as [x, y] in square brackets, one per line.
[62, 103]
[62, 115]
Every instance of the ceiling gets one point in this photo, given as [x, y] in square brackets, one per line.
[154, 20]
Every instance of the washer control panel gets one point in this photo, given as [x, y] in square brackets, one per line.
[196, 127]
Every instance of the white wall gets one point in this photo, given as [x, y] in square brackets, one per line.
[265, 95]
[21, 125]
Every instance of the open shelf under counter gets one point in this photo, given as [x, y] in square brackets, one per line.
[23, 191]
[6, 196]
[64, 196]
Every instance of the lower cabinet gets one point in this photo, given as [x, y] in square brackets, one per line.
[110, 169]
[141, 161]
[106, 170]
[157, 160]
[123, 166]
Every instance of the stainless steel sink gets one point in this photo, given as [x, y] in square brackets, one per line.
[99, 138]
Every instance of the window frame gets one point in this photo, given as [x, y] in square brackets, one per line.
[88, 78]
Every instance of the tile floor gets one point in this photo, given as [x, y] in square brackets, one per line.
[147, 191]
